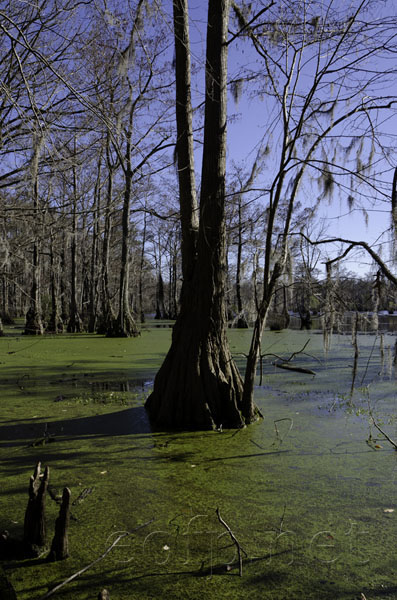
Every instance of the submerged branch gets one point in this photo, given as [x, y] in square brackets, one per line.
[234, 540]
[375, 424]
[94, 562]
[291, 368]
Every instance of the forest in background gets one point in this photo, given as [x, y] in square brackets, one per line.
[89, 203]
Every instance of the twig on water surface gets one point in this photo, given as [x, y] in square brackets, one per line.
[235, 542]
[375, 424]
[284, 364]
[392, 442]
[284, 361]
[94, 562]
[291, 424]
[83, 495]
[369, 359]
[24, 348]
[356, 355]
[282, 519]
[301, 351]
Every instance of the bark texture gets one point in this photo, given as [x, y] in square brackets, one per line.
[60, 544]
[198, 385]
[35, 525]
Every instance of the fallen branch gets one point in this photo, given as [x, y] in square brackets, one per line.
[86, 492]
[392, 442]
[289, 367]
[375, 424]
[94, 562]
[284, 364]
[291, 424]
[234, 540]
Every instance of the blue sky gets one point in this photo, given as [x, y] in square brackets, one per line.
[253, 117]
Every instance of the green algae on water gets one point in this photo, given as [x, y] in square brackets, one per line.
[311, 503]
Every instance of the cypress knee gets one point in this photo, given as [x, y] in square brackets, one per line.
[34, 525]
[60, 546]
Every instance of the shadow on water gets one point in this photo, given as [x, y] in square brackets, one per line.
[130, 385]
[130, 421]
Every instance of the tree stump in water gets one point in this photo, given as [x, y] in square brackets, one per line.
[60, 546]
[34, 534]
[7, 592]
[306, 319]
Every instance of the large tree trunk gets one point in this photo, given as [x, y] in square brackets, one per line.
[198, 385]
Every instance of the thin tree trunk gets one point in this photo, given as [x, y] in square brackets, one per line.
[241, 320]
[249, 409]
[75, 324]
[161, 313]
[62, 282]
[55, 324]
[33, 324]
[5, 313]
[141, 267]
[84, 268]
[173, 286]
[108, 316]
[93, 291]
[124, 325]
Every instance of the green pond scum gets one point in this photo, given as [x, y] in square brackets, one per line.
[309, 496]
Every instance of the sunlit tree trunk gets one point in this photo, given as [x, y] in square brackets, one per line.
[141, 267]
[198, 385]
[124, 325]
[93, 288]
[241, 320]
[107, 316]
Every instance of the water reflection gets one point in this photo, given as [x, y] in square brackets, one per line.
[129, 385]
[386, 322]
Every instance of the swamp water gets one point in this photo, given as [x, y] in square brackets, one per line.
[311, 503]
